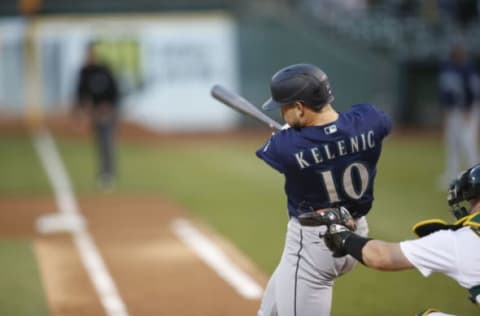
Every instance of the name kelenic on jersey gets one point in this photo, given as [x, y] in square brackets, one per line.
[317, 155]
[330, 165]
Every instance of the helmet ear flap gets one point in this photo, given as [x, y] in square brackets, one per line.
[454, 195]
[465, 188]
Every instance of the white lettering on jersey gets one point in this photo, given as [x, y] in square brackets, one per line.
[364, 142]
[327, 152]
[341, 148]
[316, 155]
[371, 142]
[352, 145]
[301, 162]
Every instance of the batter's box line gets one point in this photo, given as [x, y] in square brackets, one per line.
[216, 259]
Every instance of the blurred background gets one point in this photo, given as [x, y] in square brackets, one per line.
[170, 52]
[177, 144]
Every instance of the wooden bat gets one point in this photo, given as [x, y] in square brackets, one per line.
[243, 106]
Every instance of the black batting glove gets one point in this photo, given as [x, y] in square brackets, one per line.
[342, 241]
[335, 238]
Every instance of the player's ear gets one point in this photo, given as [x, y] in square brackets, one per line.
[299, 108]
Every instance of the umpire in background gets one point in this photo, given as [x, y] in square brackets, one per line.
[451, 249]
[97, 97]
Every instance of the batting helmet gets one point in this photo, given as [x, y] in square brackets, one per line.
[301, 82]
[465, 187]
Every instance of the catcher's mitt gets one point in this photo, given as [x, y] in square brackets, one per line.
[328, 217]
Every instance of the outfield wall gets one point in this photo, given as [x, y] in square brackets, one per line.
[12, 32]
[168, 62]
[166, 65]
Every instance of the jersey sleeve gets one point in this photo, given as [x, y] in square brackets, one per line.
[433, 253]
[375, 117]
[385, 122]
[270, 153]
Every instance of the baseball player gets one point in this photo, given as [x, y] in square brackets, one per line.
[449, 249]
[459, 90]
[328, 159]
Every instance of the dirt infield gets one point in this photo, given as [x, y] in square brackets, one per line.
[155, 273]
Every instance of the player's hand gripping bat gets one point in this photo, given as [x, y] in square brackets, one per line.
[243, 106]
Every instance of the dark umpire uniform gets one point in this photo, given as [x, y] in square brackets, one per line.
[98, 94]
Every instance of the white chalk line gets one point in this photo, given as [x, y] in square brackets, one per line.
[217, 260]
[68, 208]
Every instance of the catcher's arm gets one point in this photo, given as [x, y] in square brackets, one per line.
[382, 255]
[376, 254]
[341, 240]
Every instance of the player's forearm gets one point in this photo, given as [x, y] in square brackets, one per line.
[381, 255]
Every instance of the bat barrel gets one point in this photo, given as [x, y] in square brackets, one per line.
[243, 106]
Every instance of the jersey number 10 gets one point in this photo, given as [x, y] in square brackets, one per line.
[347, 182]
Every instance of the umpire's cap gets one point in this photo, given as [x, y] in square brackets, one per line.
[300, 82]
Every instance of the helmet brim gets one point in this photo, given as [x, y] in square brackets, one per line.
[271, 104]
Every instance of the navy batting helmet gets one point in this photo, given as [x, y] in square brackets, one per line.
[301, 82]
[465, 187]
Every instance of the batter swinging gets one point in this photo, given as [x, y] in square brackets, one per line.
[328, 159]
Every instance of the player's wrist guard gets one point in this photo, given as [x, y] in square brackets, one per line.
[354, 245]
[341, 241]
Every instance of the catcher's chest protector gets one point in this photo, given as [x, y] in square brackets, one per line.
[430, 226]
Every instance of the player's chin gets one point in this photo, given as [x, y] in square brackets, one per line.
[292, 123]
[296, 125]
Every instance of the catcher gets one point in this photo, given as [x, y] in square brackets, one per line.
[441, 247]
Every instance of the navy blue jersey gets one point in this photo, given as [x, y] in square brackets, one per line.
[330, 165]
[459, 86]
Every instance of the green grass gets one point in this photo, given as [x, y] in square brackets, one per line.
[221, 182]
[225, 185]
[20, 169]
[21, 293]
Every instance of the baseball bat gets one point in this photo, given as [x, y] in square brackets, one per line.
[243, 106]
